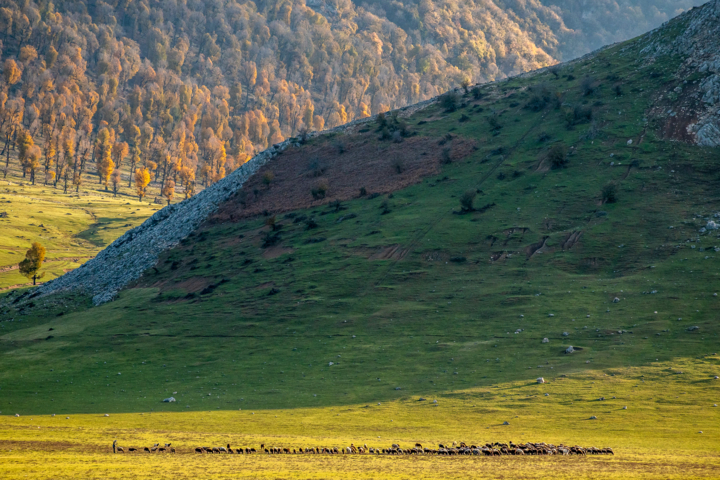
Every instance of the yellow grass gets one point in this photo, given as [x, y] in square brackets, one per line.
[656, 437]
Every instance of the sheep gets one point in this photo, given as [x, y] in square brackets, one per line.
[120, 450]
[172, 449]
[161, 449]
[132, 449]
[146, 449]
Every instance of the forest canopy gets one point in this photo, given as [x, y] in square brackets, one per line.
[185, 91]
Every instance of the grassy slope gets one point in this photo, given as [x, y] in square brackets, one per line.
[434, 327]
[74, 227]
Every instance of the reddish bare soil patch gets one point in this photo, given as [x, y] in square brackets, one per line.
[286, 183]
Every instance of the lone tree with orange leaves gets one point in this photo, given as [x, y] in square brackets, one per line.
[33, 262]
[142, 179]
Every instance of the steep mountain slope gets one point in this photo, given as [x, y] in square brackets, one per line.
[558, 205]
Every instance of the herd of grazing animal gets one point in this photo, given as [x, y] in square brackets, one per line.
[488, 449]
[167, 448]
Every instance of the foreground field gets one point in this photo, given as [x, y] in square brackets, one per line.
[658, 436]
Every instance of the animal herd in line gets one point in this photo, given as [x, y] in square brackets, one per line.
[489, 450]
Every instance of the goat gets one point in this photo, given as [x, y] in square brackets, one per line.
[120, 450]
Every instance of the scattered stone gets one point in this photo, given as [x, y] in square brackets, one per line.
[171, 399]
[547, 394]
[106, 415]
[565, 334]
[692, 329]
[593, 417]
[545, 340]
[434, 401]
[569, 349]
[506, 423]
[616, 300]
[551, 315]
[625, 407]
[540, 380]
[421, 399]
[17, 414]
[330, 364]
[397, 388]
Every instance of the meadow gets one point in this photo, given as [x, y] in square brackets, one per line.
[72, 226]
[326, 325]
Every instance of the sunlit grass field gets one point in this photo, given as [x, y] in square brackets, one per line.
[72, 227]
[669, 430]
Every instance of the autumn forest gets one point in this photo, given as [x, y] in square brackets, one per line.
[179, 93]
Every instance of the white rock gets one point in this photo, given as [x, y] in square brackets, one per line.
[625, 408]
[569, 349]
[545, 340]
[540, 380]
[629, 142]
[711, 225]
[172, 399]
[616, 300]
[593, 417]
[106, 415]
[506, 423]
[330, 364]
[565, 334]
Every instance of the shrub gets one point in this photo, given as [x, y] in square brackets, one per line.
[588, 85]
[544, 137]
[381, 121]
[558, 155]
[449, 101]
[463, 118]
[363, 191]
[397, 137]
[398, 165]
[385, 207]
[311, 224]
[465, 84]
[267, 178]
[494, 122]
[446, 158]
[466, 201]
[477, 93]
[609, 193]
[320, 191]
[385, 134]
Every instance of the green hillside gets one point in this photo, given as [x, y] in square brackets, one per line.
[585, 231]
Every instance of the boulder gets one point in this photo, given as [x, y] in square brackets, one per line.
[569, 349]
[506, 423]
[693, 328]
[616, 300]
[565, 334]
[540, 380]
[711, 225]
[545, 340]
[169, 399]
[593, 417]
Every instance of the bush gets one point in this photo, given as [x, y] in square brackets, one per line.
[609, 193]
[319, 191]
[588, 85]
[466, 201]
[558, 155]
[449, 101]
[363, 191]
[385, 207]
[446, 158]
[477, 93]
[268, 177]
[397, 137]
[398, 165]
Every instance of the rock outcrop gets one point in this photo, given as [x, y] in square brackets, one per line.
[698, 42]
